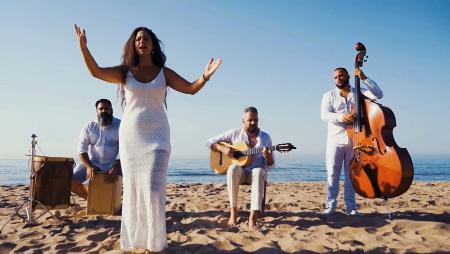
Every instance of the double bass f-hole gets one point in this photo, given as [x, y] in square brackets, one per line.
[377, 144]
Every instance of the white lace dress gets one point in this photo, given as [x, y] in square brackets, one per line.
[144, 147]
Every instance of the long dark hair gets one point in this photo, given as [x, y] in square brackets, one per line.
[130, 58]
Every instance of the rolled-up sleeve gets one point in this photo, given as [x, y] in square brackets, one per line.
[373, 91]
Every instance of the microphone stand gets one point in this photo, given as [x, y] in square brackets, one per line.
[28, 218]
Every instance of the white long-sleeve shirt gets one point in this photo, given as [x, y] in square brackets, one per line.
[239, 135]
[334, 107]
[101, 143]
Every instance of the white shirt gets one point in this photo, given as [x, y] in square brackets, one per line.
[334, 107]
[101, 143]
[239, 135]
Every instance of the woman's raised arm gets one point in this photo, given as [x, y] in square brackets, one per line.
[179, 84]
[108, 74]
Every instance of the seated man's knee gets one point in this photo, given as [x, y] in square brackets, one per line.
[79, 173]
[232, 169]
[258, 172]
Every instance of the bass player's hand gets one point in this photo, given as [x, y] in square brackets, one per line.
[349, 118]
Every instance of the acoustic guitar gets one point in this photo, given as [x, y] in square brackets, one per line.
[242, 156]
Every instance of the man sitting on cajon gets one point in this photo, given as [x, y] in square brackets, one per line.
[98, 148]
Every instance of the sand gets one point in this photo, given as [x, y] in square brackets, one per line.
[292, 223]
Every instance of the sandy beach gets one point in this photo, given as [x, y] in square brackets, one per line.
[292, 223]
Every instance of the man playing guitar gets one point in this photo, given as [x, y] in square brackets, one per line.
[255, 173]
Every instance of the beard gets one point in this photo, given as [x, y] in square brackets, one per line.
[105, 118]
[343, 84]
[252, 129]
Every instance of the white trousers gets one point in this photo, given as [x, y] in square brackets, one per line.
[236, 175]
[336, 157]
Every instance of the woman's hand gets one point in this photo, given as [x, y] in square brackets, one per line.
[81, 34]
[179, 84]
[211, 67]
[108, 74]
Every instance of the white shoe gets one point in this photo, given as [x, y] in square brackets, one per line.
[329, 211]
[353, 212]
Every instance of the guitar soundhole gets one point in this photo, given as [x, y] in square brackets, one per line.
[238, 154]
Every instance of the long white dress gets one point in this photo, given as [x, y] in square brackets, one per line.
[144, 147]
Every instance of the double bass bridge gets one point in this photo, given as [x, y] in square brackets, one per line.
[365, 149]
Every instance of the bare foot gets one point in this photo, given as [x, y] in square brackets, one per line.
[232, 222]
[253, 223]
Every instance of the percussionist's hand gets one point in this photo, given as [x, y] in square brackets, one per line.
[90, 172]
[111, 175]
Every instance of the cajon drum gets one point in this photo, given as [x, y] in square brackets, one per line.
[51, 184]
[104, 198]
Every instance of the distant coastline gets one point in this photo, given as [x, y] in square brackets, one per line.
[307, 169]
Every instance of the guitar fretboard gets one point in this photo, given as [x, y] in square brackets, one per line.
[256, 150]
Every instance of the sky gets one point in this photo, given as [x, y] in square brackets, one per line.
[278, 56]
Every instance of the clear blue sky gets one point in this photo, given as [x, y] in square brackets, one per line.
[277, 56]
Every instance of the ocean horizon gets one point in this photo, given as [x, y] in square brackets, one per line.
[310, 169]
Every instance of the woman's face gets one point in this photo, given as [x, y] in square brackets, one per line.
[143, 43]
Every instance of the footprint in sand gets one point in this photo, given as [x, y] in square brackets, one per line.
[65, 246]
[6, 247]
[98, 237]
[353, 243]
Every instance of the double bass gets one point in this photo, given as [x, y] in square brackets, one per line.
[379, 167]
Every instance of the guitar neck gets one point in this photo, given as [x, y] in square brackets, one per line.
[256, 150]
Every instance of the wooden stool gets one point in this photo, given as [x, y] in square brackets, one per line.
[264, 197]
[104, 198]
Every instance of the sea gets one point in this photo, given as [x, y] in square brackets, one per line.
[426, 168]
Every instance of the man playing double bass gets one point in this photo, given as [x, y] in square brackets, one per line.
[336, 109]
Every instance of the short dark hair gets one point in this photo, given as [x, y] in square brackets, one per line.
[102, 101]
[250, 109]
[341, 69]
